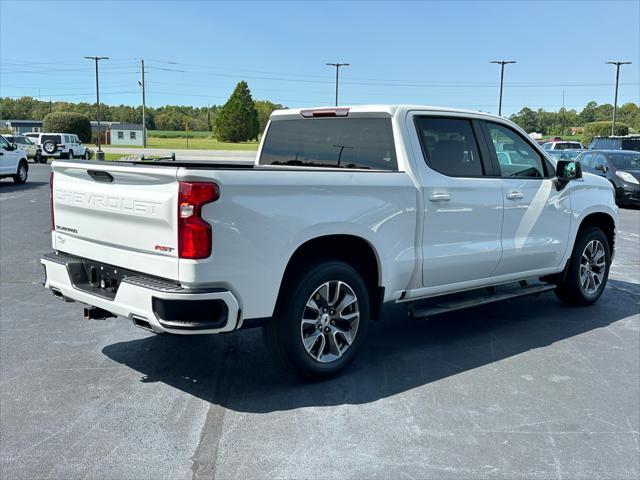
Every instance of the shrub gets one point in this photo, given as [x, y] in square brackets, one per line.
[68, 122]
[602, 129]
[237, 120]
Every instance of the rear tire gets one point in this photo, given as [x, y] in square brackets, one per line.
[587, 271]
[23, 172]
[320, 321]
[70, 155]
[49, 147]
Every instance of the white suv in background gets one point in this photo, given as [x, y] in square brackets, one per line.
[13, 161]
[59, 145]
[562, 145]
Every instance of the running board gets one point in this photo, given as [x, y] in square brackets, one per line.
[445, 306]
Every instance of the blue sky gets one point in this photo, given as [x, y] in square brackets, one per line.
[428, 52]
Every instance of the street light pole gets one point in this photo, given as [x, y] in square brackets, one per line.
[502, 64]
[615, 98]
[144, 108]
[99, 154]
[337, 65]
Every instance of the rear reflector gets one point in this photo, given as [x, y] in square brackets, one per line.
[325, 112]
[53, 222]
[194, 234]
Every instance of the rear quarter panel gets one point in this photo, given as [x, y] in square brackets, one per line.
[263, 216]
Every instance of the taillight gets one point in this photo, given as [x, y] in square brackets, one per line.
[326, 112]
[53, 222]
[194, 234]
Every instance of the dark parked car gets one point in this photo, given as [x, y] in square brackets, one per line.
[620, 167]
[629, 142]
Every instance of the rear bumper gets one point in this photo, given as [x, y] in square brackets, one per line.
[162, 305]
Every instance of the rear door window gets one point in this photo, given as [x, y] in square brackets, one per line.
[365, 143]
[53, 138]
[449, 146]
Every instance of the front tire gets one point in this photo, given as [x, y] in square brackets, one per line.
[321, 320]
[23, 172]
[587, 271]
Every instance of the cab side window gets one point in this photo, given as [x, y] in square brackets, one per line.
[449, 146]
[599, 162]
[3, 143]
[516, 158]
[587, 160]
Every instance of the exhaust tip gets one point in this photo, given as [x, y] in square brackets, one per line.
[141, 322]
[96, 313]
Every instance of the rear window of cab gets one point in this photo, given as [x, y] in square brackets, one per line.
[361, 143]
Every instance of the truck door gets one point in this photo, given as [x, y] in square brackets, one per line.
[463, 205]
[537, 217]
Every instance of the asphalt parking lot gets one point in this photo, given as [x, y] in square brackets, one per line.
[524, 389]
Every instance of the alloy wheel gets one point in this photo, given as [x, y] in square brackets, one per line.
[592, 267]
[330, 319]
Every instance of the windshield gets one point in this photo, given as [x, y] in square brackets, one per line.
[331, 142]
[625, 161]
[567, 145]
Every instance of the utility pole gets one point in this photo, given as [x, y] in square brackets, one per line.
[563, 113]
[502, 64]
[99, 154]
[615, 98]
[144, 108]
[337, 65]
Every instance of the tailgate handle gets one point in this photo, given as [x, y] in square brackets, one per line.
[100, 176]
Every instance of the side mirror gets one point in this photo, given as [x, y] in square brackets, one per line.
[567, 170]
[14, 146]
[601, 167]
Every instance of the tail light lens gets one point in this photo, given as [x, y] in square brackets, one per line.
[194, 234]
[53, 221]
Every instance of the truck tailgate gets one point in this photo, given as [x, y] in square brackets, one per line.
[122, 215]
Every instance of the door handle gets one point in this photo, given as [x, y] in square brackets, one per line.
[514, 195]
[440, 197]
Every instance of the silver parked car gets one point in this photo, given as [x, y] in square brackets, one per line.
[25, 143]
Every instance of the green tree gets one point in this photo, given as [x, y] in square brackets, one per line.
[527, 119]
[68, 122]
[265, 108]
[237, 120]
[588, 113]
[602, 129]
[629, 113]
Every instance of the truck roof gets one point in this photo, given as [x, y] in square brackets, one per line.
[376, 110]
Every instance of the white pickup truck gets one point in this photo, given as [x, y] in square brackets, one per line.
[344, 209]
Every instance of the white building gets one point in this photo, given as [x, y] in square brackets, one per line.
[126, 134]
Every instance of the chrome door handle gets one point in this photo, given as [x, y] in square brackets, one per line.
[440, 197]
[514, 195]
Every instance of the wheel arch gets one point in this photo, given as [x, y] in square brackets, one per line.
[351, 249]
[604, 222]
